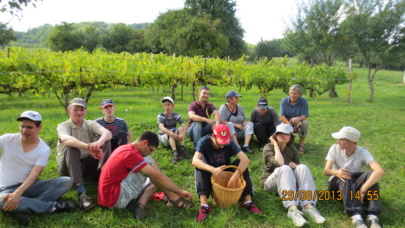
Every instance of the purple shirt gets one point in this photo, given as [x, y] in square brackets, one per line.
[208, 109]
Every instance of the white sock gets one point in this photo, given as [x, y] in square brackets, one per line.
[356, 216]
[249, 201]
[372, 216]
[205, 205]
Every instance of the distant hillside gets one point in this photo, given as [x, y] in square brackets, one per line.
[36, 37]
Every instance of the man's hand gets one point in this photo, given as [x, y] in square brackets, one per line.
[95, 151]
[343, 175]
[233, 181]
[218, 172]
[186, 195]
[13, 200]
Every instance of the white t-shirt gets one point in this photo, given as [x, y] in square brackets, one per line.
[354, 163]
[15, 164]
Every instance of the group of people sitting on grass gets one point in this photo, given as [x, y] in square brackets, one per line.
[128, 176]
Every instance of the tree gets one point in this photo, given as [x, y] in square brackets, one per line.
[376, 27]
[6, 35]
[64, 37]
[314, 33]
[178, 32]
[91, 37]
[269, 49]
[14, 7]
[119, 38]
[224, 11]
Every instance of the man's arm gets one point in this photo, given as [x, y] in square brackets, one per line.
[375, 176]
[196, 118]
[243, 165]
[200, 164]
[163, 182]
[13, 199]
[341, 173]
[129, 136]
[167, 131]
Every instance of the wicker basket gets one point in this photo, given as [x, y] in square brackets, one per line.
[223, 196]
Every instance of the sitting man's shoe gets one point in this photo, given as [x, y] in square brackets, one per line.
[358, 223]
[64, 206]
[203, 213]
[175, 158]
[85, 202]
[21, 218]
[252, 208]
[372, 222]
[184, 153]
[247, 150]
[137, 210]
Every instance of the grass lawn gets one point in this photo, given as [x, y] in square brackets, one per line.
[382, 131]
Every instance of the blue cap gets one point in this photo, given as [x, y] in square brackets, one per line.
[106, 102]
[232, 94]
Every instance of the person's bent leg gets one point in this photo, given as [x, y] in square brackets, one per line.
[260, 132]
[306, 185]
[371, 200]
[347, 191]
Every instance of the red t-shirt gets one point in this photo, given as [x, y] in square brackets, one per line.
[116, 169]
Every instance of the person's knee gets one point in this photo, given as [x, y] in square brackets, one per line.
[302, 167]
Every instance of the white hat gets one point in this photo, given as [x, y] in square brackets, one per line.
[347, 132]
[31, 115]
[168, 99]
[284, 128]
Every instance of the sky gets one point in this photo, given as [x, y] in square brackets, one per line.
[261, 19]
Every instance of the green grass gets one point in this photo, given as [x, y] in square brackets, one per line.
[381, 124]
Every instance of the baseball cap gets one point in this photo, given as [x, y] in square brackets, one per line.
[222, 134]
[232, 94]
[262, 103]
[347, 132]
[284, 128]
[168, 99]
[31, 115]
[106, 102]
[78, 102]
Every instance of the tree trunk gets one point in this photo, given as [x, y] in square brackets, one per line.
[370, 84]
[349, 99]
[174, 86]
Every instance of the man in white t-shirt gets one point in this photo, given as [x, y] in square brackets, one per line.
[344, 163]
[24, 157]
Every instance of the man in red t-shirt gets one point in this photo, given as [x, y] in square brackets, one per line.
[130, 177]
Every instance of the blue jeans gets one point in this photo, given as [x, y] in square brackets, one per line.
[196, 131]
[41, 196]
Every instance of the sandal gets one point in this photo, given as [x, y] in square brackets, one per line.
[181, 203]
[301, 149]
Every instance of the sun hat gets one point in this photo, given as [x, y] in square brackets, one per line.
[284, 128]
[106, 102]
[31, 115]
[167, 99]
[232, 94]
[78, 102]
[222, 134]
[262, 103]
[347, 132]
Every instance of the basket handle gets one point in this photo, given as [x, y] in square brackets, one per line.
[233, 166]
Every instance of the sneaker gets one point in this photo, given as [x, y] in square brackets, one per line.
[175, 158]
[247, 150]
[358, 223]
[85, 202]
[203, 213]
[64, 206]
[372, 222]
[252, 208]
[297, 218]
[21, 218]
[184, 153]
[314, 214]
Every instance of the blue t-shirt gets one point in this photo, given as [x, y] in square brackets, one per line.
[290, 111]
[216, 157]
